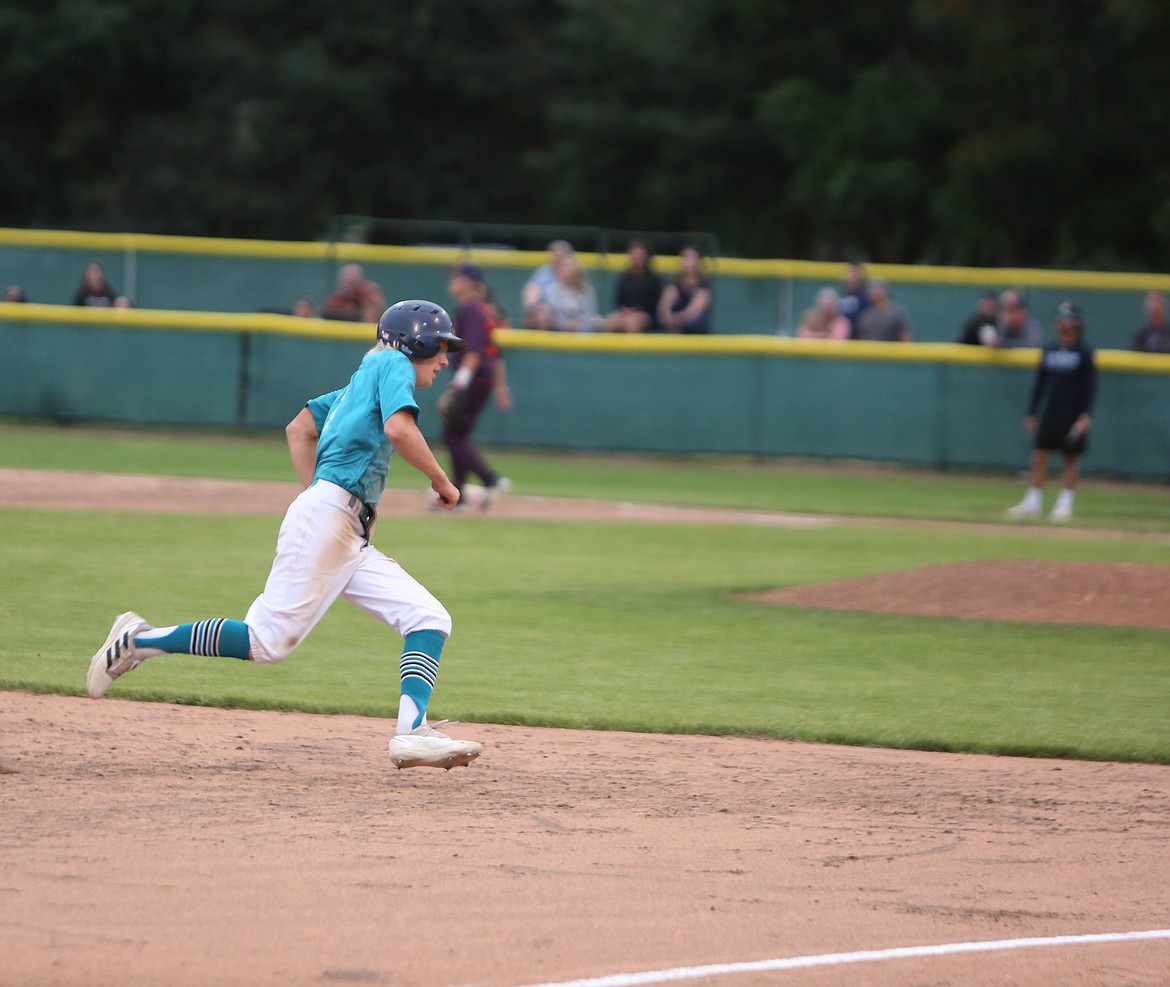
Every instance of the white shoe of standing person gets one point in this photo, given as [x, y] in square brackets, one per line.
[1024, 509]
[491, 494]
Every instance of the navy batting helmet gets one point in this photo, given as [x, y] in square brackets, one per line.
[415, 327]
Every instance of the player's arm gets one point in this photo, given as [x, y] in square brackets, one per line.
[1039, 384]
[301, 435]
[500, 386]
[474, 332]
[404, 435]
[467, 368]
[1088, 393]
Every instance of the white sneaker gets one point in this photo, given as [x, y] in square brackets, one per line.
[117, 656]
[497, 490]
[1061, 514]
[1022, 510]
[425, 747]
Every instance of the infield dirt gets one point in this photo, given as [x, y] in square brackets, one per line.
[148, 844]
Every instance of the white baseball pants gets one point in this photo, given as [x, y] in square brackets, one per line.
[320, 556]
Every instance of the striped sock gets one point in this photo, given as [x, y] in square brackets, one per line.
[419, 668]
[216, 638]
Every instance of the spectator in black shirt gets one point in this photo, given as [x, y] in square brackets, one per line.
[637, 294]
[981, 327]
[95, 289]
[1154, 336]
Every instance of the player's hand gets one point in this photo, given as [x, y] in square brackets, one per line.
[452, 404]
[1030, 424]
[448, 493]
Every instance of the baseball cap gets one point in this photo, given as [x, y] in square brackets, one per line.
[1070, 311]
[472, 271]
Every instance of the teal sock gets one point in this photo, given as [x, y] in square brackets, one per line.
[419, 668]
[217, 638]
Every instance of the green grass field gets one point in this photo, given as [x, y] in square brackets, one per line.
[613, 625]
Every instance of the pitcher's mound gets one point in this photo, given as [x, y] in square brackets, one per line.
[1112, 593]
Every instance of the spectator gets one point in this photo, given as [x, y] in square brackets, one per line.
[854, 295]
[685, 306]
[123, 302]
[981, 327]
[824, 320]
[882, 319]
[1062, 392]
[15, 293]
[1017, 328]
[305, 308]
[1154, 336]
[533, 296]
[572, 299]
[637, 293]
[356, 298]
[95, 289]
[478, 374]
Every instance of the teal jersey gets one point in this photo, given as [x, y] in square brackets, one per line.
[352, 450]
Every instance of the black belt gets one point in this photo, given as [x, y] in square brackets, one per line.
[367, 515]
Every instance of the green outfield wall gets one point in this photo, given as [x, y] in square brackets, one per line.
[936, 405]
[751, 296]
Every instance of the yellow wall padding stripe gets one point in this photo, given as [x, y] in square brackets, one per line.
[748, 345]
[492, 258]
[146, 318]
[719, 345]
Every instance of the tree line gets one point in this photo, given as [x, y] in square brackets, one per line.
[938, 131]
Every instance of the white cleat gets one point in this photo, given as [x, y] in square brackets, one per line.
[1061, 514]
[493, 493]
[117, 656]
[425, 747]
[1022, 511]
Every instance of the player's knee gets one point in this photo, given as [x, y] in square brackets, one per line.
[433, 618]
[266, 652]
[441, 622]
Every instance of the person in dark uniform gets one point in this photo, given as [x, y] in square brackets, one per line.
[1059, 412]
[478, 374]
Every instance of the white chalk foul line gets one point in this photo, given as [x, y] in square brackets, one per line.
[866, 956]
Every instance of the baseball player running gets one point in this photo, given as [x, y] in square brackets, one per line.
[341, 444]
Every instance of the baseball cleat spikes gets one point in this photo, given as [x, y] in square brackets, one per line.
[117, 656]
[426, 747]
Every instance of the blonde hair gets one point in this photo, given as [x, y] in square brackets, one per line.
[578, 277]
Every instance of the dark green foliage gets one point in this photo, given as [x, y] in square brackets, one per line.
[902, 130]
